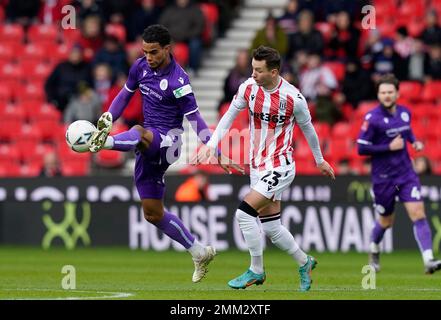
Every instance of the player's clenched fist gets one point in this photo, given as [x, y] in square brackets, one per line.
[326, 169]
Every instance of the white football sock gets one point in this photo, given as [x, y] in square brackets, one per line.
[196, 249]
[283, 239]
[253, 238]
[427, 255]
[109, 143]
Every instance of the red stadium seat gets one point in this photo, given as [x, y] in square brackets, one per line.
[11, 170]
[9, 129]
[11, 74]
[110, 158]
[6, 94]
[364, 107]
[49, 128]
[43, 33]
[415, 27]
[70, 36]
[36, 71]
[31, 169]
[116, 30]
[341, 130]
[27, 137]
[387, 28]
[59, 53]
[211, 14]
[181, 53]
[410, 90]
[11, 33]
[7, 54]
[337, 68]
[31, 92]
[33, 51]
[339, 148]
[323, 129]
[325, 29]
[9, 153]
[75, 168]
[431, 91]
[48, 112]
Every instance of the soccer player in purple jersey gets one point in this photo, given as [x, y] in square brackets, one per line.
[167, 97]
[383, 135]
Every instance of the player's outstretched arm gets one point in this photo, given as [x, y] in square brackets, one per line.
[209, 150]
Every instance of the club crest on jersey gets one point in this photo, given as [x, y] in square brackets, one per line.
[163, 84]
[144, 73]
[405, 116]
[252, 97]
[181, 80]
[282, 104]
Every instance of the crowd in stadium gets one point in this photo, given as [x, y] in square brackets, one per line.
[53, 76]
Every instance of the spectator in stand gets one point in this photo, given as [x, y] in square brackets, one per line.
[344, 40]
[357, 85]
[91, 36]
[86, 105]
[50, 12]
[271, 35]
[116, 11]
[388, 61]
[241, 72]
[343, 167]
[288, 21]
[317, 83]
[63, 82]
[186, 22]
[22, 11]
[102, 81]
[404, 44]
[132, 114]
[112, 54]
[432, 63]
[51, 165]
[432, 33]
[287, 73]
[147, 14]
[416, 61]
[194, 189]
[86, 8]
[307, 38]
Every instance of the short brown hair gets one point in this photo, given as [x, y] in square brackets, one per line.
[389, 79]
[270, 55]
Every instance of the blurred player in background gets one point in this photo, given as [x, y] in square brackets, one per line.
[383, 135]
[167, 97]
[274, 107]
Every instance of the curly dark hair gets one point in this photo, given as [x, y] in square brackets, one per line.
[156, 33]
[389, 79]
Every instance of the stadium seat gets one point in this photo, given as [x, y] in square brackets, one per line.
[13, 32]
[36, 71]
[48, 112]
[59, 53]
[337, 68]
[9, 153]
[431, 91]
[31, 169]
[31, 92]
[33, 51]
[181, 53]
[6, 94]
[43, 33]
[7, 54]
[364, 107]
[325, 29]
[75, 168]
[11, 74]
[70, 36]
[387, 28]
[110, 159]
[11, 170]
[27, 138]
[8, 129]
[323, 129]
[415, 27]
[410, 90]
[116, 30]
[211, 14]
[341, 130]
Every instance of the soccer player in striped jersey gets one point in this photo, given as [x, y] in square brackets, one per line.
[274, 107]
[383, 135]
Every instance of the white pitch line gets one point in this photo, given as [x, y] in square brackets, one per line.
[113, 295]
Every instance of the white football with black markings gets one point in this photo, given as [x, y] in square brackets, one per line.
[78, 134]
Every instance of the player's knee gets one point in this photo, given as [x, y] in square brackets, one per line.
[153, 216]
[386, 222]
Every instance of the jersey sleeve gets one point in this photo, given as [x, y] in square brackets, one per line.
[239, 100]
[367, 131]
[132, 79]
[301, 110]
[183, 93]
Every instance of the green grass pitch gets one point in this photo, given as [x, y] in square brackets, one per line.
[120, 273]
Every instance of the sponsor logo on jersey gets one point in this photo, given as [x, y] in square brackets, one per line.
[163, 84]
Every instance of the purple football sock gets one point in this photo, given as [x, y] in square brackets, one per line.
[377, 233]
[127, 140]
[172, 226]
[423, 234]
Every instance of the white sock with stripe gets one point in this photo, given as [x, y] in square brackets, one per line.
[282, 238]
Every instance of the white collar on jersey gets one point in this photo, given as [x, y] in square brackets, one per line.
[275, 88]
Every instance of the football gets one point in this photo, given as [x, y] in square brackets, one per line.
[78, 134]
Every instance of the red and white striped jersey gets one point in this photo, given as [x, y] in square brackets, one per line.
[272, 118]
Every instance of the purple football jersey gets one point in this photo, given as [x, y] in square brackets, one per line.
[379, 129]
[167, 95]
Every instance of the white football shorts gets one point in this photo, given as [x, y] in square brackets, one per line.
[272, 183]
